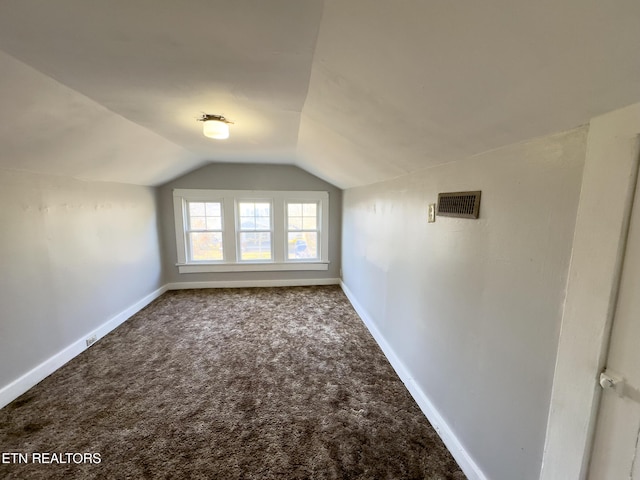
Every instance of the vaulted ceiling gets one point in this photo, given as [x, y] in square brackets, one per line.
[354, 91]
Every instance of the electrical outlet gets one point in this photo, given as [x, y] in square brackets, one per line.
[91, 340]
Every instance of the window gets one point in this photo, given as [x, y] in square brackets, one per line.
[204, 231]
[231, 231]
[254, 231]
[302, 230]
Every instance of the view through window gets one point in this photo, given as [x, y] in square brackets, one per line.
[254, 231]
[205, 231]
[302, 230]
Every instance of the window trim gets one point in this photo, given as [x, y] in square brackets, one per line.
[317, 230]
[239, 231]
[188, 230]
[229, 200]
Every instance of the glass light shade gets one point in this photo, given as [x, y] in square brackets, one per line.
[215, 129]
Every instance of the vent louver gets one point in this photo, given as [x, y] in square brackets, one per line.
[459, 204]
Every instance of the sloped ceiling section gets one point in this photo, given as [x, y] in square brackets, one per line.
[354, 91]
[46, 127]
[398, 86]
[161, 63]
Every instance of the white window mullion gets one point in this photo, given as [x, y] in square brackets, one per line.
[179, 207]
[324, 233]
[279, 227]
[230, 255]
[236, 230]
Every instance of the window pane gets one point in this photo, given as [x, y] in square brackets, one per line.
[213, 209]
[302, 245]
[309, 223]
[198, 223]
[255, 246]
[309, 209]
[263, 209]
[206, 246]
[196, 209]
[302, 216]
[214, 223]
[295, 223]
[263, 223]
[294, 209]
[247, 223]
[205, 216]
[247, 209]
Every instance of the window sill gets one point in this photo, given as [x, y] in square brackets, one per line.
[250, 267]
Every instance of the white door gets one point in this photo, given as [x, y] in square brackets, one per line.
[616, 453]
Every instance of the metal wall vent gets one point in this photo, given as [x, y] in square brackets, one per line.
[459, 204]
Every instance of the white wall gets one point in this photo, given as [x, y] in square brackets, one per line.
[472, 308]
[227, 176]
[606, 199]
[73, 255]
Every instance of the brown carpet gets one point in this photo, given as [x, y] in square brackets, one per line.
[262, 383]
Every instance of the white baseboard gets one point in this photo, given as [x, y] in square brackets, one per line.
[46, 368]
[467, 464]
[253, 283]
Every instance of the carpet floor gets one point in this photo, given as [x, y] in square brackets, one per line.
[252, 383]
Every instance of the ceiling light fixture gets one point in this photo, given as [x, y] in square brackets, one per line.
[215, 126]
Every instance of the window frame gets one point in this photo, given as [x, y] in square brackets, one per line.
[317, 230]
[229, 200]
[239, 231]
[188, 228]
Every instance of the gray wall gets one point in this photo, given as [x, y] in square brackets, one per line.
[225, 176]
[473, 307]
[73, 255]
